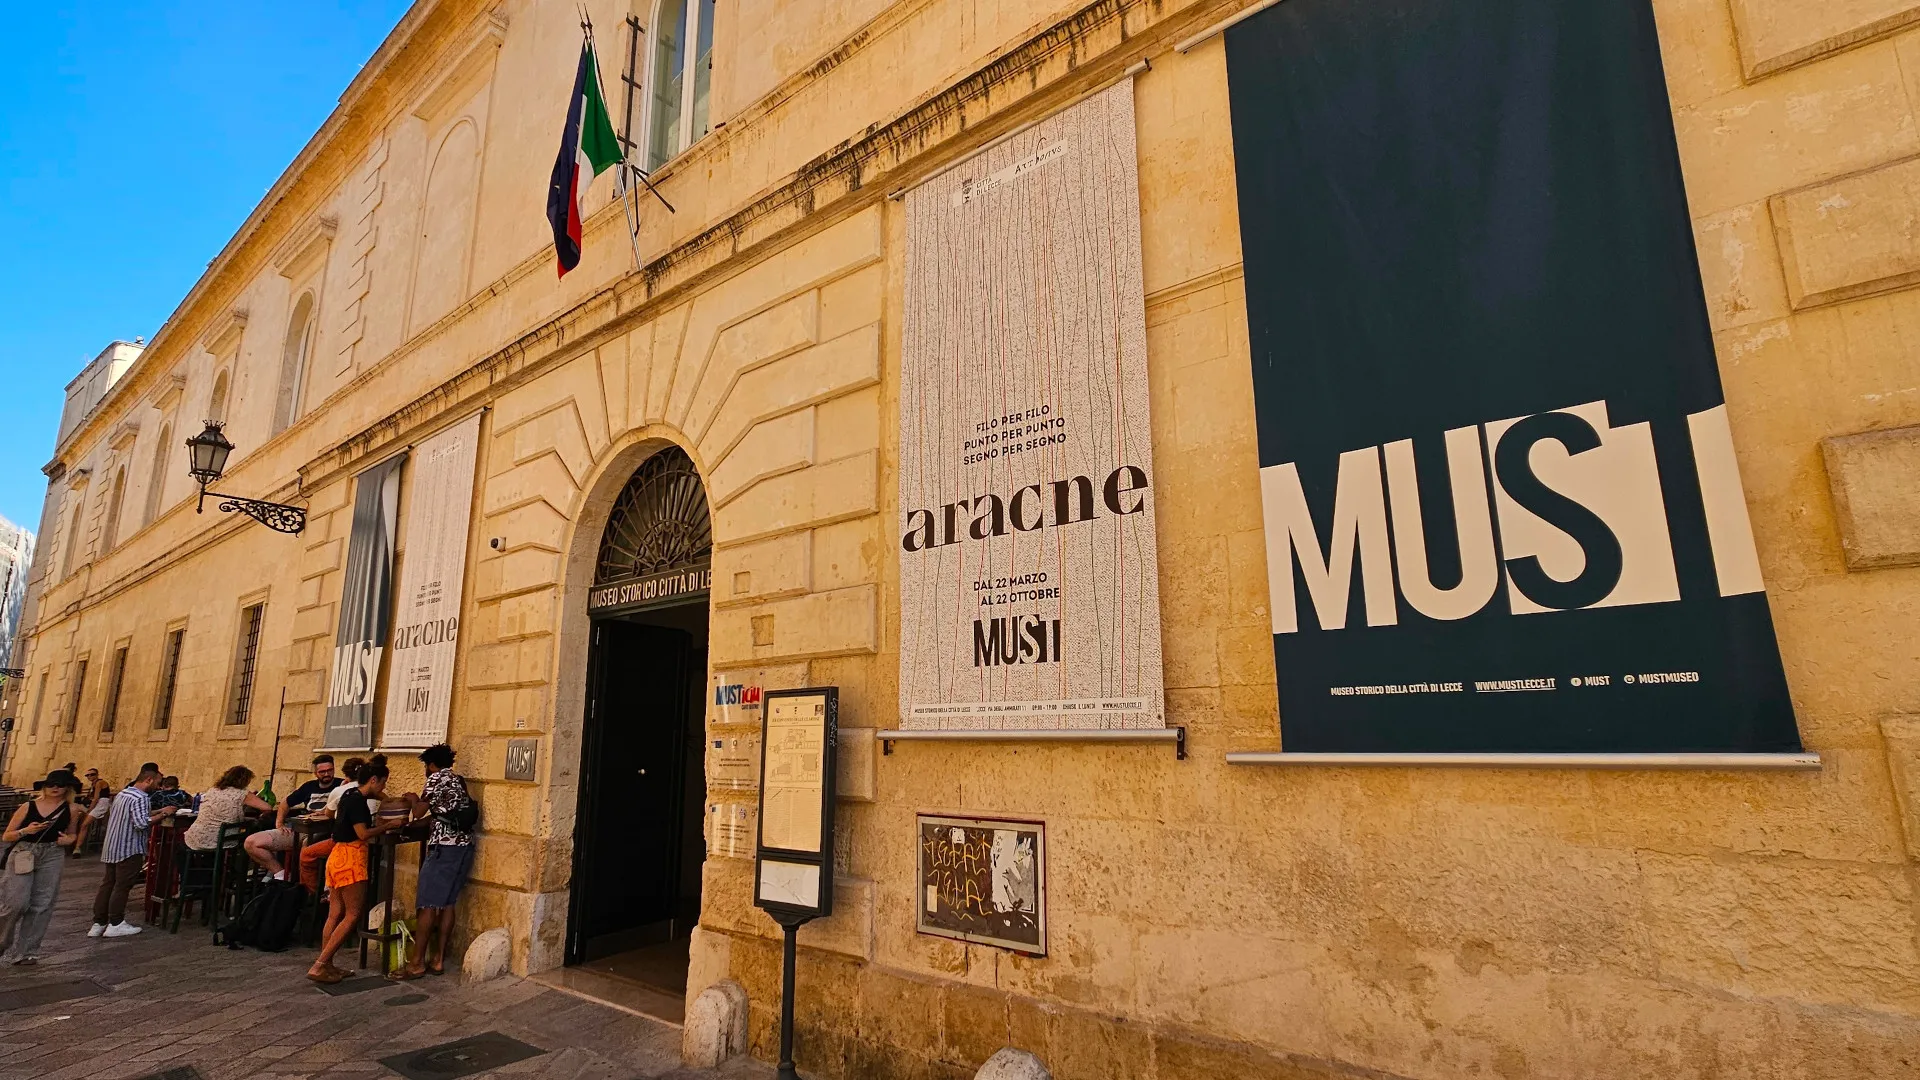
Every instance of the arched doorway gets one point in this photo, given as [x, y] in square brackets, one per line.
[638, 832]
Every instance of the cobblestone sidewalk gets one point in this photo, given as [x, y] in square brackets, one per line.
[159, 1001]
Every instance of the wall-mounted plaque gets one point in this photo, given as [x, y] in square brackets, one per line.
[730, 829]
[797, 788]
[736, 696]
[733, 762]
[521, 756]
[984, 882]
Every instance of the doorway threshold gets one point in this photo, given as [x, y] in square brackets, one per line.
[615, 992]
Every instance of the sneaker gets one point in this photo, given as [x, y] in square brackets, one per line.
[121, 929]
[97, 929]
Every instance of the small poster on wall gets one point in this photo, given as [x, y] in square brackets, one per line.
[984, 881]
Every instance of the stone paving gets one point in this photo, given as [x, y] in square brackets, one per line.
[169, 1001]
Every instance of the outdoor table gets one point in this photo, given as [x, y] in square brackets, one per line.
[381, 853]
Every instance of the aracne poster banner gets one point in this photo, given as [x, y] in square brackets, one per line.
[1029, 585]
[426, 634]
[366, 606]
[1501, 500]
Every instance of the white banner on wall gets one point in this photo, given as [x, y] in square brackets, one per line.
[1029, 582]
[426, 622]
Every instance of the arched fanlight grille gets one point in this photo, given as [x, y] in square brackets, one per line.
[659, 522]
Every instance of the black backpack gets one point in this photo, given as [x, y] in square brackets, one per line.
[466, 815]
[285, 900]
[238, 932]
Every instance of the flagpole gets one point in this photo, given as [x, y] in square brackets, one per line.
[624, 186]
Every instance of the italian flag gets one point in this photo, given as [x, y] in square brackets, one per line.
[588, 147]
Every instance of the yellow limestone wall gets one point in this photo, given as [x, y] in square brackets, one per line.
[1207, 920]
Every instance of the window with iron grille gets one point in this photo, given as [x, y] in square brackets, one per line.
[248, 655]
[110, 716]
[169, 676]
[79, 688]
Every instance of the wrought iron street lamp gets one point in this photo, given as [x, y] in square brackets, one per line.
[207, 459]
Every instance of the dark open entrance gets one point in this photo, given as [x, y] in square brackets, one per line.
[638, 837]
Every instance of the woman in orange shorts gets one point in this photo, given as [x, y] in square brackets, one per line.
[347, 867]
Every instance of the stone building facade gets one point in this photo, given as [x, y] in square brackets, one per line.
[1208, 919]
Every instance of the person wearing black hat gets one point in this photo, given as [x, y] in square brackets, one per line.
[30, 879]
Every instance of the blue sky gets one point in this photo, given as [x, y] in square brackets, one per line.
[135, 137]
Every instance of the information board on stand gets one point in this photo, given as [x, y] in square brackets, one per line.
[793, 859]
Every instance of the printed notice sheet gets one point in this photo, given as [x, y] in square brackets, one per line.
[795, 765]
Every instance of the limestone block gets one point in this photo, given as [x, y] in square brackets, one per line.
[313, 622]
[854, 761]
[321, 558]
[1903, 761]
[661, 355]
[544, 478]
[849, 930]
[827, 370]
[785, 328]
[778, 446]
[1777, 34]
[1697, 49]
[1011, 1064]
[1804, 126]
[305, 687]
[535, 524]
[1851, 237]
[487, 957]
[716, 1025]
[1842, 934]
[847, 425]
[1739, 267]
[1875, 477]
[527, 568]
[848, 553]
[820, 495]
[852, 301]
[525, 614]
[765, 570]
[838, 623]
[560, 430]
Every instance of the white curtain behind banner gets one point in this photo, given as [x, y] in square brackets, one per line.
[1029, 587]
[426, 620]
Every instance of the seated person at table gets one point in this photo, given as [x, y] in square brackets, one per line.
[225, 803]
[262, 846]
[347, 872]
[313, 855]
[168, 794]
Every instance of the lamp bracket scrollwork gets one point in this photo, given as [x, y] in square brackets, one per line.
[276, 516]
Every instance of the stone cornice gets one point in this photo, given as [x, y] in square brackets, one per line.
[484, 36]
[170, 393]
[305, 245]
[124, 435]
[222, 339]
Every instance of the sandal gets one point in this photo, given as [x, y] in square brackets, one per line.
[328, 974]
[437, 969]
[403, 975]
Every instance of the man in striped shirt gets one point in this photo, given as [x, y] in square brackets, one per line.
[124, 855]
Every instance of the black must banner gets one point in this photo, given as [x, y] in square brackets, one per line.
[1501, 502]
[366, 607]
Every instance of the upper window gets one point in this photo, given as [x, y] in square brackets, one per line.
[246, 658]
[293, 363]
[157, 483]
[217, 403]
[676, 104]
[110, 531]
